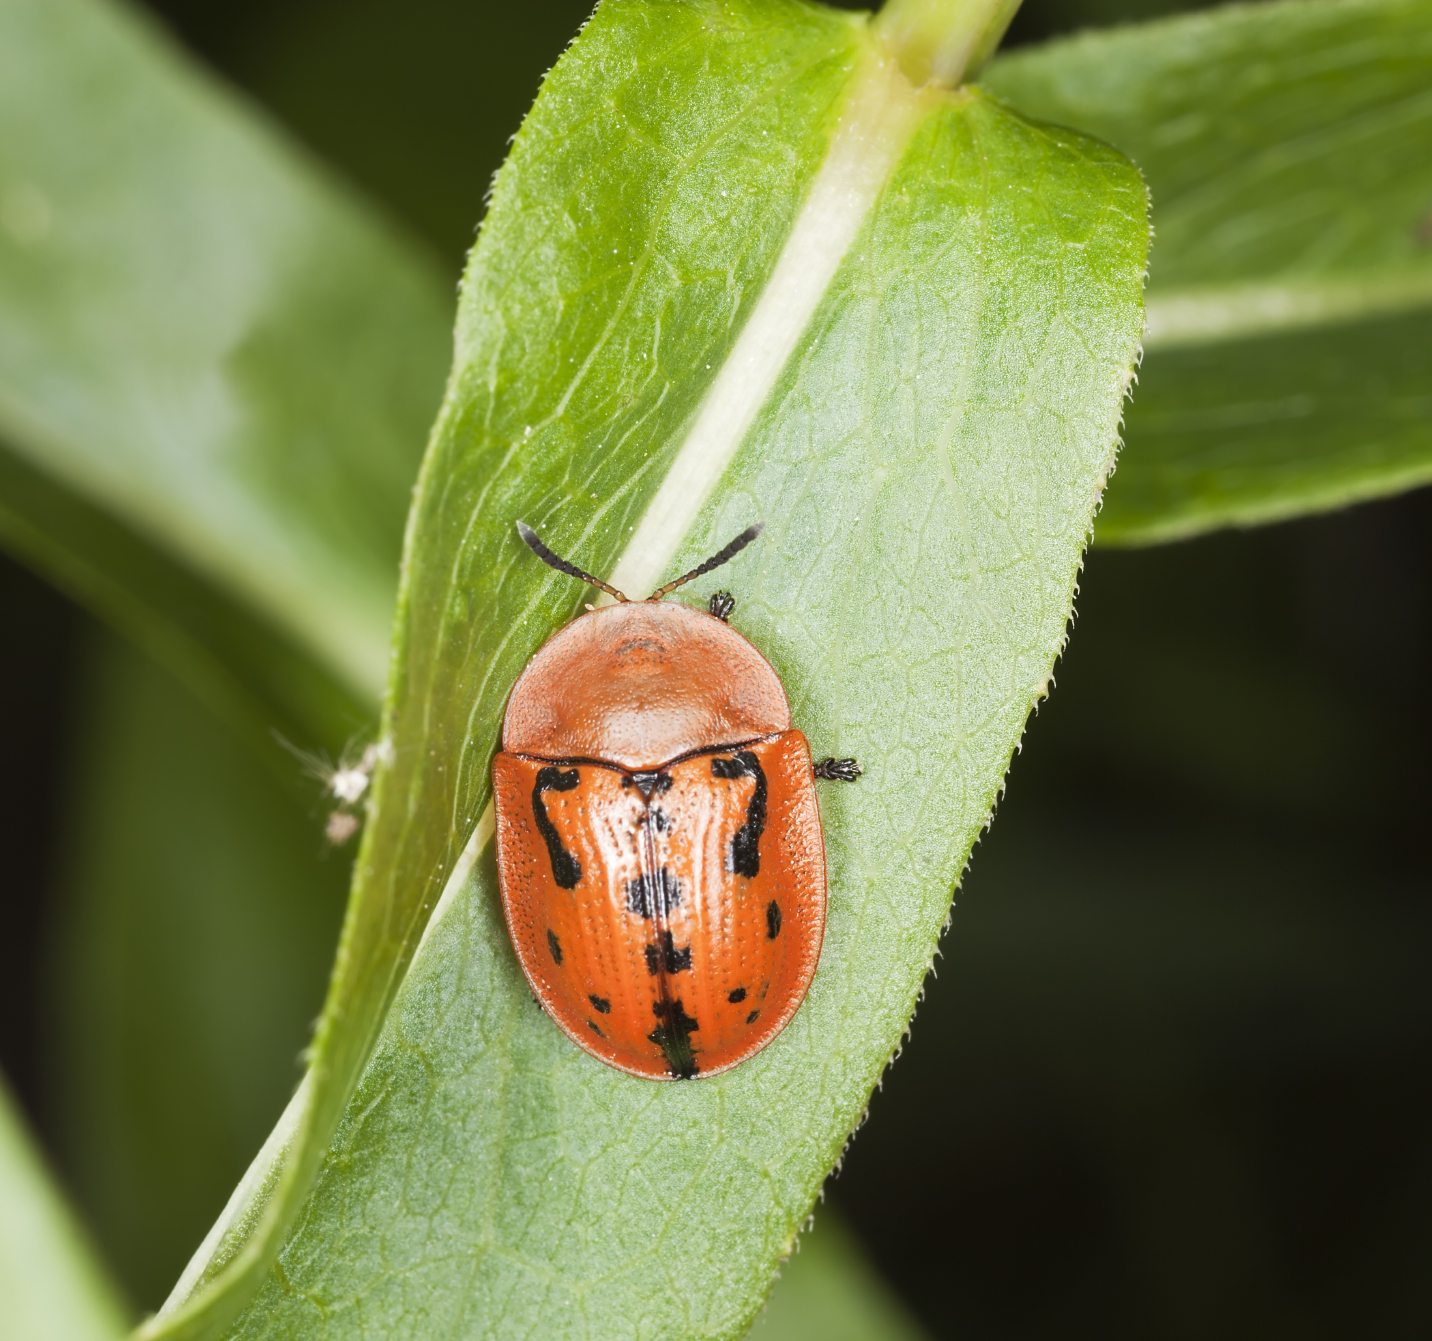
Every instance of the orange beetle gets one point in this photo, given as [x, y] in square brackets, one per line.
[658, 844]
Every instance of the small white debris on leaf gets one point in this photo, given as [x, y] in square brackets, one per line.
[341, 826]
[348, 784]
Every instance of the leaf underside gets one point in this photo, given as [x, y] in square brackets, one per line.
[928, 465]
[1290, 296]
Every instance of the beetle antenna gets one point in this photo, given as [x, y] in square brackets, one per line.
[721, 556]
[534, 543]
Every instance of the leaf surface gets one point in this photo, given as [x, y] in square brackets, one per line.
[1290, 295]
[734, 268]
[216, 369]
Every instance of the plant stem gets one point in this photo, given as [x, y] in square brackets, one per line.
[943, 41]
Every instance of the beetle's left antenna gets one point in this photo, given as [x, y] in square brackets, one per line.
[534, 543]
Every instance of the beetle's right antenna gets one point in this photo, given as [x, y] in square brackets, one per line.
[723, 555]
[534, 543]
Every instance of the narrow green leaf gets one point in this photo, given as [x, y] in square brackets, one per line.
[829, 1292]
[735, 267]
[231, 654]
[1290, 298]
[215, 369]
[50, 1286]
[1255, 431]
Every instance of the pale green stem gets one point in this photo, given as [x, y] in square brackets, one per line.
[943, 41]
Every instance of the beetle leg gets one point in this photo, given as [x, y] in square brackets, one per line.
[838, 770]
[721, 604]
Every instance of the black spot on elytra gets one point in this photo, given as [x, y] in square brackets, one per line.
[773, 920]
[751, 1018]
[565, 869]
[673, 1037]
[555, 946]
[665, 954]
[653, 895]
[595, 1028]
[737, 996]
[744, 857]
[600, 1004]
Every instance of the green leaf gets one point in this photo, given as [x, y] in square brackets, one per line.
[735, 267]
[215, 369]
[828, 1292]
[50, 1284]
[1290, 297]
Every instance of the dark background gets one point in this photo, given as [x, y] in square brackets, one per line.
[1173, 1077]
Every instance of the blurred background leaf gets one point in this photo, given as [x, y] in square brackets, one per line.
[211, 412]
[827, 1292]
[1287, 364]
[48, 1280]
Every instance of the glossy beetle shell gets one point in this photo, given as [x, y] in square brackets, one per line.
[659, 846]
